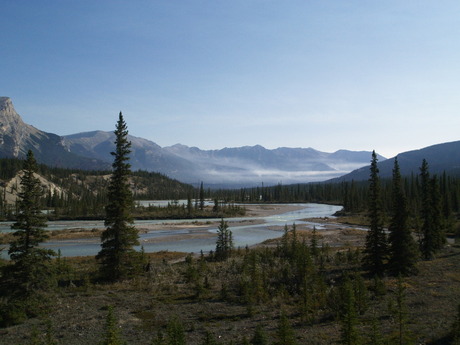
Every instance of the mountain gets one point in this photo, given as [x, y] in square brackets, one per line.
[440, 158]
[145, 154]
[228, 167]
[253, 165]
[17, 137]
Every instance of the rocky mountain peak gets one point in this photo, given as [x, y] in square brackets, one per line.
[13, 131]
[9, 118]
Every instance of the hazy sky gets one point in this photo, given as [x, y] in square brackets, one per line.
[327, 74]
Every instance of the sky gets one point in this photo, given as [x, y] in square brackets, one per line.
[335, 74]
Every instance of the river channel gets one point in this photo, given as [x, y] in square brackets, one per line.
[185, 235]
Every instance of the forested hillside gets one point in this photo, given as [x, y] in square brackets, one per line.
[83, 193]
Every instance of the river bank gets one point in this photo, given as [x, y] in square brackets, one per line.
[261, 224]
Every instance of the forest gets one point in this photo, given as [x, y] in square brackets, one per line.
[398, 286]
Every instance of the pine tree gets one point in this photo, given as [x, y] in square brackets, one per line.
[349, 333]
[431, 214]
[375, 250]
[455, 328]
[209, 339]
[175, 333]
[224, 243]
[117, 257]
[201, 197]
[259, 337]
[30, 221]
[402, 248]
[30, 273]
[285, 334]
[112, 333]
[401, 336]
[427, 242]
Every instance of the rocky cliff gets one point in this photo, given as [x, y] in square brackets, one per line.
[17, 137]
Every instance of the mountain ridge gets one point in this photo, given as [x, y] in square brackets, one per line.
[444, 157]
[235, 167]
[17, 137]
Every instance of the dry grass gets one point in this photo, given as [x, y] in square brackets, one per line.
[146, 304]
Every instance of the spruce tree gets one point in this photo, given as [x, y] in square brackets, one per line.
[112, 333]
[259, 337]
[375, 250]
[117, 257]
[431, 214]
[285, 334]
[224, 243]
[427, 242]
[30, 274]
[402, 247]
[455, 328]
[349, 317]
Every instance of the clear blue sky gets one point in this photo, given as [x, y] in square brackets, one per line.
[358, 75]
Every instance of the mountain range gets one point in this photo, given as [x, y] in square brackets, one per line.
[227, 167]
[440, 158]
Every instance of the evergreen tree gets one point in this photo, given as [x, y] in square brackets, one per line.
[112, 333]
[375, 250]
[201, 197]
[349, 333]
[431, 214]
[427, 242]
[259, 337]
[117, 257]
[30, 273]
[402, 247]
[285, 334]
[209, 339]
[175, 333]
[402, 335]
[455, 329]
[224, 243]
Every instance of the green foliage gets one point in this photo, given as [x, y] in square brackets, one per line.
[401, 335]
[23, 282]
[209, 339]
[349, 319]
[284, 333]
[224, 243]
[175, 333]
[112, 334]
[432, 228]
[376, 246]
[403, 252]
[455, 329]
[117, 256]
[259, 337]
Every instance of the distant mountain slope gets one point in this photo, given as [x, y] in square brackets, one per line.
[17, 137]
[252, 165]
[440, 158]
[228, 167]
[145, 154]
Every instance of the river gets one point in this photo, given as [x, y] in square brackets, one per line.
[186, 236]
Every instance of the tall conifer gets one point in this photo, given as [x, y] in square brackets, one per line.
[23, 281]
[375, 250]
[402, 247]
[117, 257]
[432, 230]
